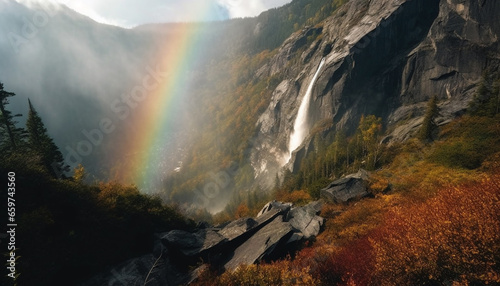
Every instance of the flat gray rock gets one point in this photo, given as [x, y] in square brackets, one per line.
[238, 228]
[262, 243]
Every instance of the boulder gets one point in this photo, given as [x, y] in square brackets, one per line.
[271, 210]
[274, 207]
[238, 227]
[193, 244]
[261, 244]
[350, 187]
[305, 220]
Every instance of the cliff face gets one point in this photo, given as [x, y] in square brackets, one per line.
[383, 57]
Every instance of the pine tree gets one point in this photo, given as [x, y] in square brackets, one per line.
[40, 142]
[429, 124]
[486, 101]
[11, 137]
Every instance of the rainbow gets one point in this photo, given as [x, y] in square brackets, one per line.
[157, 112]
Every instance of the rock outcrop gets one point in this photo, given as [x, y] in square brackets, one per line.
[305, 220]
[353, 186]
[278, 229]
[261, 244]
[383, 57]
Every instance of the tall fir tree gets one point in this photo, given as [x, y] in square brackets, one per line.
[429, 126]
[11, 137]
[41, 143]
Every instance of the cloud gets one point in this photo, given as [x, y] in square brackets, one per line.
[250, 8]
[131, 13]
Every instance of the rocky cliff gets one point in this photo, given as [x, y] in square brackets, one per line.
[383, 57]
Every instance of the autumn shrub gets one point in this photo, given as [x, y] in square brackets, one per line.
[378, 183]
[330, 210]
[353, 264]
[314, 257]
[454, 236]
[277, 273]
[355, 221]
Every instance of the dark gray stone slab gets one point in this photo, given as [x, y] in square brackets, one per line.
[262, 243]
[238, 227]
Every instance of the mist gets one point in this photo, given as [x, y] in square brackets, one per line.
[72, 69]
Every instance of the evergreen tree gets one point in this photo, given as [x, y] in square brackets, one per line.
[11, 137]
[40, 142]
[429, 124]
[487, 98]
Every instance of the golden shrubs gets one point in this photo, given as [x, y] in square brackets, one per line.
[454, 236]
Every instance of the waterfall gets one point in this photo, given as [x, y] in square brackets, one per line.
[300, 127]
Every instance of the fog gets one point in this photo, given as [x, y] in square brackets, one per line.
[72, 69]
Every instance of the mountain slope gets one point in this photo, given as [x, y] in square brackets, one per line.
[382, 57]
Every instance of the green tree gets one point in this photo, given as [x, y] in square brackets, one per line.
[11, 137]
[429, 125]
[40, 142]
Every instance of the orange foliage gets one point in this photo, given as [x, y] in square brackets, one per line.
[453, 236]
[330, 210]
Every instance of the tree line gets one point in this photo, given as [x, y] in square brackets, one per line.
[32, 139]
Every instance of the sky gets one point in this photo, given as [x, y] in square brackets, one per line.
[131, 13]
